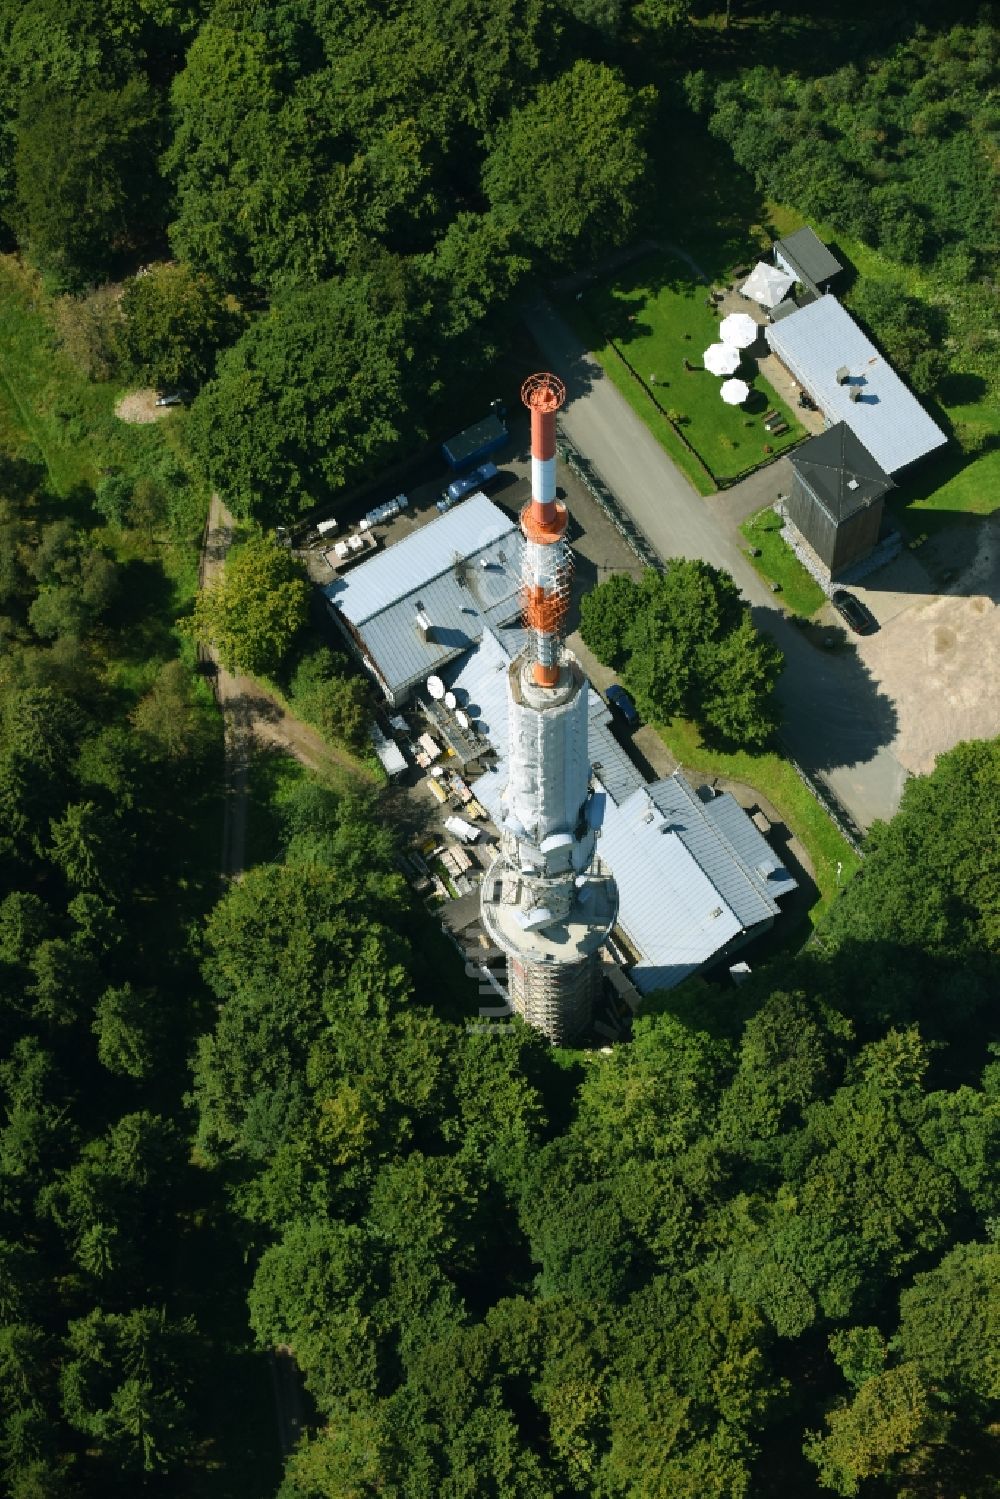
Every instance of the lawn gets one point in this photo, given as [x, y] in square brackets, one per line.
[657, 316]
[775, 779]
[51, 414]
[777, 563]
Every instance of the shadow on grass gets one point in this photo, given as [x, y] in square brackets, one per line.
[933, 475]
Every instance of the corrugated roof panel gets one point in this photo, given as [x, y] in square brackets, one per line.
[751, 846]
[619, 775]
[669, 909]
[452, 588]
[407, 566]
[716, 853]
[820, 339]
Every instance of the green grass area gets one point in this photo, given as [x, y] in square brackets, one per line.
[52, 413]
[657, 315]
[775, 779]
[777, 563]
[641, 404]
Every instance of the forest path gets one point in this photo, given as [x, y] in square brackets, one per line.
[251, 716]
[248, 715]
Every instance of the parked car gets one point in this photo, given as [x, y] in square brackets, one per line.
[860, 618]
[478, 479]
[171, 398]
[619, 701]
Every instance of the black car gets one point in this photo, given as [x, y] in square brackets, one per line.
[620, 702]
[860, 618]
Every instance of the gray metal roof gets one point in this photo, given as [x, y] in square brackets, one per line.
[750, 846]
[670, 909]
[683, 893]
[817, 341]
[619, 775]
[461, 569]
[806, 252]
[710, 844]
[840, 472]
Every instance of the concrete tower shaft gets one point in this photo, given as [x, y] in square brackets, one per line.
[547, 901]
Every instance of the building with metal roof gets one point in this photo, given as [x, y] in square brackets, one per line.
[805, 258]
[823, 348]
[427, 598]
[837, 497]
[695, 877]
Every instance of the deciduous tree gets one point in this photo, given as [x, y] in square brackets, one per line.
[571, 165]
[174, 322]
[85, 175]
[254, 613]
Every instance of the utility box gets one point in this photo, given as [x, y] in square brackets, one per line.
[475, 443]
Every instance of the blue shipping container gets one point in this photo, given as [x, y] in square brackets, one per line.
[475, 443]
[478, 479]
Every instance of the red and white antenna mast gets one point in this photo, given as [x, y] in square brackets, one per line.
[547, 563]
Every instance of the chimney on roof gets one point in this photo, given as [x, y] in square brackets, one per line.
[843, 375]
[423, 622]
[855, 393]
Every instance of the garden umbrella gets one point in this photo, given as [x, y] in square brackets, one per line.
[738, 329]
[721, 359]
[734, 392]
[766, 284]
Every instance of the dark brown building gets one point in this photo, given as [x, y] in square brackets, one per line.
[837, 495]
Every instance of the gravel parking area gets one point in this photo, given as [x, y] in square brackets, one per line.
[937, 654]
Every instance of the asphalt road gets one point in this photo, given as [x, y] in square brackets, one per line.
[837, 723]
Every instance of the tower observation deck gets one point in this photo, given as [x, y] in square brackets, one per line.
[547, 901]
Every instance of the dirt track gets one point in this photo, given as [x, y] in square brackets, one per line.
[251, 716]
[139, 407]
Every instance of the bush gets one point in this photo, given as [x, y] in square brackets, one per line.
[324, 692]
[112, 499]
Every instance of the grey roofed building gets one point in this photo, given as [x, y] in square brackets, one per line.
[804, 256]
[841, 473]
[694, 877]
[425, 600]
[836, 497]
[823, 348]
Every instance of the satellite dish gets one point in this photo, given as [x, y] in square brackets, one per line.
[450, 700]
[435, 687]
[463, 718]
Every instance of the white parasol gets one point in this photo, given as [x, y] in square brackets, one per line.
[767, 284]
[738, 329]
[721, 359]
[734, 392]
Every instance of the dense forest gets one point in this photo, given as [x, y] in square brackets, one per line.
[670, 1271]
[754, 1251]
[331, 209]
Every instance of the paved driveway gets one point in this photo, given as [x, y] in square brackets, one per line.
[837, 722]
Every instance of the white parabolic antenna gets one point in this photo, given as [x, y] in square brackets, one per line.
[450, 700]
[463, 719]
[435, 687]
